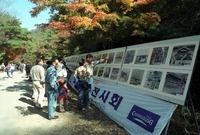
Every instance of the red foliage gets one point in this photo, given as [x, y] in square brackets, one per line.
[13, 53]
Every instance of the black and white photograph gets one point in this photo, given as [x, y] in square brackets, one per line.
[175, 83]
[106, 72]
[114, 74]
[79, 58]
[159, 55]
[111, 58]
[100, 72]
[104, 56]
[94, 56]
[182, 55]
[129, 57]
[124, 75]
[83, 57]
[142, 56]
[153, 79]
[118, 57]
[98, 57]
[136, 77]
[95, 71]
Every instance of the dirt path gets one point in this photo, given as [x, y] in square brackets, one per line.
[18, 116]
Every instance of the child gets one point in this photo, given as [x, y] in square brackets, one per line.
[81, 76]
[63, 95]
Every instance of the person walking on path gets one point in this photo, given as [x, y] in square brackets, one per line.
[37, 74]
[90, 67]
[10, 69]
[51, 83]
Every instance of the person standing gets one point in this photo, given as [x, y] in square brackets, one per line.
[81, 77]
[90, 67]
[3, 67]
[51, 83]
[62, 97]
[10, 69]
[37, 74]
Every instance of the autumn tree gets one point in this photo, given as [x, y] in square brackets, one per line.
[92, 24]
[13, 38]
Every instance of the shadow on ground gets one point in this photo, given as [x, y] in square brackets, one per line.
[30, 110]
[20, 86]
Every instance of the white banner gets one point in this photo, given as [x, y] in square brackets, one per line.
[161, 69]
[139, 114]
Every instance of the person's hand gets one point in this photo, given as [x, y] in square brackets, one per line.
[106, 58]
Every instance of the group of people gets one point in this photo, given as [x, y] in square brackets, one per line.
[52, 82]
[9, 68]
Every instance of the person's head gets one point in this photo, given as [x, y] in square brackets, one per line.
[82, 62]
[55, 62]
[89, 58]
[39, 62]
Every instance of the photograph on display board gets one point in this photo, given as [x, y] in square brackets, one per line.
[124, 75]
[182, 55]
[94, 57]
[129, 56]
[83, 57]
[111, 58]
[107, 72]
[95, 71]
[98, 57]
[100, 73]
[142, 56]
[79, 58]
[136, 77]
[104, 56]
[175, 83]
[159, 55]
[114, 74]
[118, 57]
[153, 79]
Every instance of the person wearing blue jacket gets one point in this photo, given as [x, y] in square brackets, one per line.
[51, 85]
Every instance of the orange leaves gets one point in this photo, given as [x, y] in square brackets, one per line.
[100, 15]
[58, 25]
[46, 2]
[146, 21]
[127, 5]
[103, 7]
[74, 6]
[78, 22]
[87, 8]
[12, 53]
[90, 9]
[113, 17]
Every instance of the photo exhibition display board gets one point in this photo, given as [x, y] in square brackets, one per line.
[161, 69]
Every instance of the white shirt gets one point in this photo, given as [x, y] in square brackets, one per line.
[90, 67]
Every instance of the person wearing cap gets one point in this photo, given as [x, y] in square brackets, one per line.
[90, 69]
